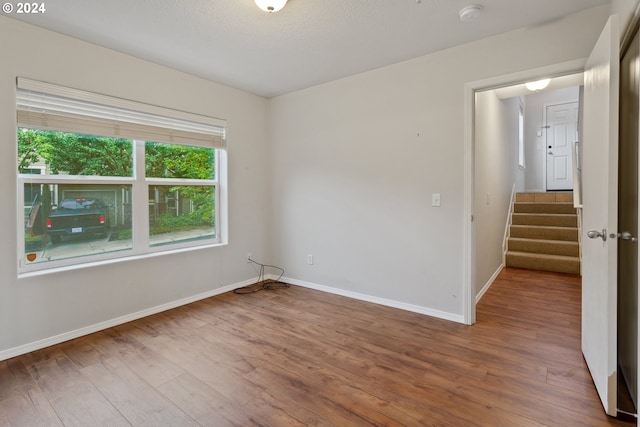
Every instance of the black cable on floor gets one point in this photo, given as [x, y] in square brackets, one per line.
[262, 283]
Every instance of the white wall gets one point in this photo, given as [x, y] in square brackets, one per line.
[496, 174]
[535, 146]
[354, 163]
[37, 308]
[626, 9]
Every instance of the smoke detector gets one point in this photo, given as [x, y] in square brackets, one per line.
[470, 13]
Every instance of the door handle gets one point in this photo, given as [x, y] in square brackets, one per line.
[550, 152]
[625, 235]
[594, 234]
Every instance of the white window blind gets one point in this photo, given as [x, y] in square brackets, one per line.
[51, 107]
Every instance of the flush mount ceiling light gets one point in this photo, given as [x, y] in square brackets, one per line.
[271, 5]
[470, 13]
[537, 85]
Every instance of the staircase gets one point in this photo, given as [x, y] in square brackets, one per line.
[544, 233]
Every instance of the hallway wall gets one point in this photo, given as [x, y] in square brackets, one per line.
[496, 172]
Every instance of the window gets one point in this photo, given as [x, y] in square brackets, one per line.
[521, 136]
[104, 178]
[182, 193]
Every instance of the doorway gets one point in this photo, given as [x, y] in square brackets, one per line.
[561, 126]
[470, 227]
[627, 312]
[513, 126]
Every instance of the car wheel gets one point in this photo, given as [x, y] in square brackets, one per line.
[55, 239]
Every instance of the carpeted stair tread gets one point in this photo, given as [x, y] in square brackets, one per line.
[557, 263]
[544, 232]
[542, 246]
[556, 220]
[546, 197]
[549, 208]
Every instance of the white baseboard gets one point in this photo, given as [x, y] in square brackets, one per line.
[487, 285]
[376, 300]
[57, 339]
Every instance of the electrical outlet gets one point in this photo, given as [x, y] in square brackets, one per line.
[248, 257]
[435, 199]
[310, 259]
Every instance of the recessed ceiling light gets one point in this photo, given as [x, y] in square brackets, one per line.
[537, 85]
[271, 5]
[470, 13]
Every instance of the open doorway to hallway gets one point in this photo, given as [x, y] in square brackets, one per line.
[512, 151]
[512, 133]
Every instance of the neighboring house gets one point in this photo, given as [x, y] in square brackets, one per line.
[116, 198]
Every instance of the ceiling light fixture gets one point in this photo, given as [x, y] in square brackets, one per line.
[537, 85]
[470, 13]
[271, 5]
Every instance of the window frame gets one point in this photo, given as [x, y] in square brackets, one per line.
[140, 184]
[521, 136]
[149, 181]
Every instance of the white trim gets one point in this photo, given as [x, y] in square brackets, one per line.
[470, 88]
[66, 336]
[115, 258]
[577, 176]
[75, 179]
[468, 230]
[376, 300]
[487, 285]
[172, 182]
[521, 144]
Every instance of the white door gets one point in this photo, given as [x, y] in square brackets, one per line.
[562, 132]
[600, 204]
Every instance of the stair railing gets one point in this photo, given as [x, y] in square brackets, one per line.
[507, 227]
[577, 175]
[577, 193]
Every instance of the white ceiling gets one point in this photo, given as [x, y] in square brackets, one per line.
[307, 43]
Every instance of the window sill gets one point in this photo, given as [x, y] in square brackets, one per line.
[27, 273]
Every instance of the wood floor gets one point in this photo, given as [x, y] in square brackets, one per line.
[298, 357]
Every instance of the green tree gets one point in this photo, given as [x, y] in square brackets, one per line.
[75, 154]
[178, 161]
[30, 143]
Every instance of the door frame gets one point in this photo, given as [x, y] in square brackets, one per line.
[628, 33]
[470, 89]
